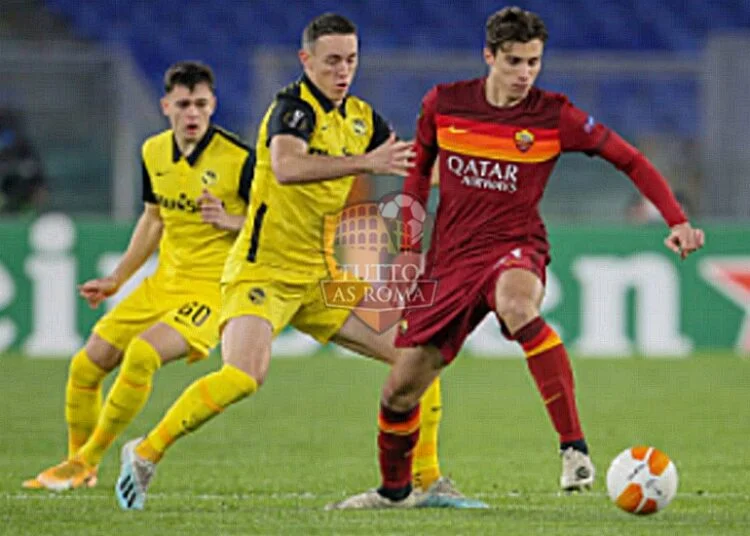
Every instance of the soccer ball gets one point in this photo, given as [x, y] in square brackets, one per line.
[642, 480]
[400, 209]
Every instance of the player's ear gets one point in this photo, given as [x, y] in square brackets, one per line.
[304, 56]
[214, 103]
[489, 57]
[164, 101]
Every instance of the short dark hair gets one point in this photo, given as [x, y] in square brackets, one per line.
[188, 74]
[513, 24]
[326, 24]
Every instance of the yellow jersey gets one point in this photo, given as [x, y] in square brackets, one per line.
[191, 250]
[284, 228]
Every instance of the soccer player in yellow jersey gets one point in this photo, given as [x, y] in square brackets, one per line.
[312, 142]
[196, 180]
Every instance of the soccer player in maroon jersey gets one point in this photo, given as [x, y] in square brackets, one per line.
[496, 140]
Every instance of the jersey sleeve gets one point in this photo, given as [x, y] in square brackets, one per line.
[246, 176]
[644, 175]
[579, 131]
[417, 182]
[380, 131]
[148, 190]
[291, 115]
[426, 125]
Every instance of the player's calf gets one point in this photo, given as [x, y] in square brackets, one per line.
[83, 399]
[549, 365]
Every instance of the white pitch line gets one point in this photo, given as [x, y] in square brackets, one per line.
[88, 496]
[68, 496]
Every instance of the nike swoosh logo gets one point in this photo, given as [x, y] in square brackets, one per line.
[455, 130]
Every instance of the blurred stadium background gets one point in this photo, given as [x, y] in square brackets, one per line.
[80, 86]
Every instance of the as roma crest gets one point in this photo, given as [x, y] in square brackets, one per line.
[524, 140]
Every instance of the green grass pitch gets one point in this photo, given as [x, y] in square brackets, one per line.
[270, 464]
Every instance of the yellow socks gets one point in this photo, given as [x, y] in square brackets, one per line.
[204, 399]
[125, 399]
[426, 468]
[83, 399]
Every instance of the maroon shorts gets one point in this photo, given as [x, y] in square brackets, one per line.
[462, 298]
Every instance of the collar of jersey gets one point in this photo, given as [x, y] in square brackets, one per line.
[195, 155]
[324, 101]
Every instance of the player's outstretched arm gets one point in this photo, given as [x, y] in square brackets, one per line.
[291, 163]
[683, 239]
[579, 132]
[143, 243]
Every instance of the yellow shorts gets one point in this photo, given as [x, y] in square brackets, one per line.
[193, 313]
[296, 303]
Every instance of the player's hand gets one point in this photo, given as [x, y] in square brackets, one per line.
[392, 157]
[213, 212]
[407, 267]
[96, 291]
[684, 240]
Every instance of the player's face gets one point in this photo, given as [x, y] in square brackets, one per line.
[515, 66]
[331, 64]
[189, 112]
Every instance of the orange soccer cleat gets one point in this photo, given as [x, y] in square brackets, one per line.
[70, 474]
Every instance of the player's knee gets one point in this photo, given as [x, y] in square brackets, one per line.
[403, 395]
[246, 345]
[400, 401]
[102, 354]
[259, 374]
[252, 360]
[141, 358]
[85, 371]
[515, 311]
[386, 355]
[238, 382]
[252, 365]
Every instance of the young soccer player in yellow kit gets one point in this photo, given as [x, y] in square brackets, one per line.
[196, 180]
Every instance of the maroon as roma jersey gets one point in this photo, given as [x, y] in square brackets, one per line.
[494, 166]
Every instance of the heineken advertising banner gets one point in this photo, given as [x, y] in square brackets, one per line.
[612, 291]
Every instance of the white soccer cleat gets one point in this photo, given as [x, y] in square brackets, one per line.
[372, 500]
[443, 493]
[135, 475]
[577, 471]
